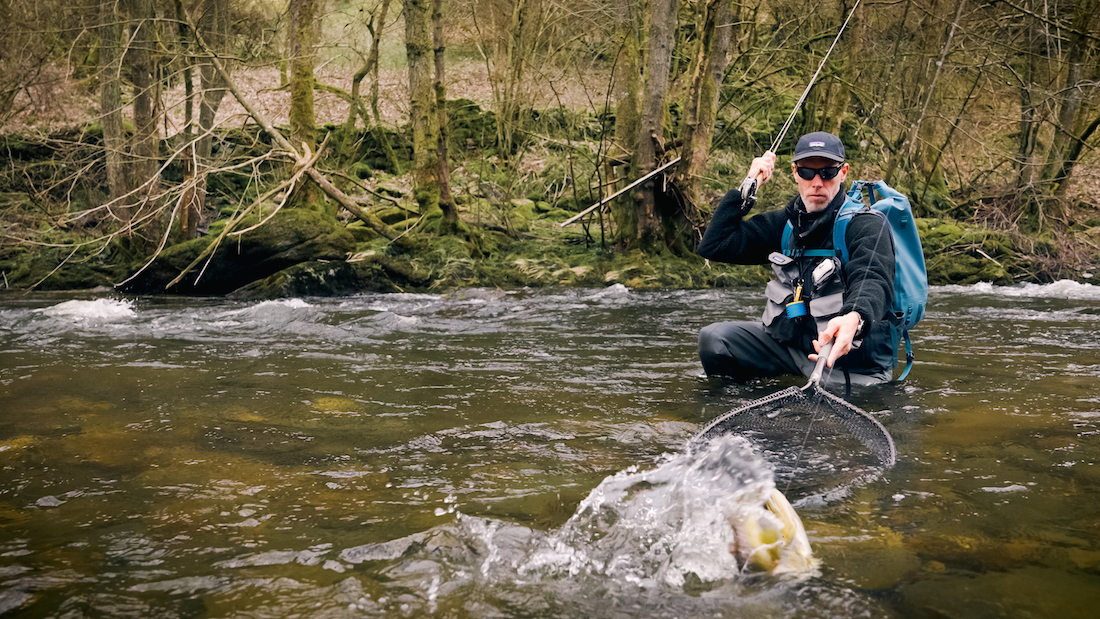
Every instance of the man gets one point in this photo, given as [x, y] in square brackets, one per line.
[814, 300]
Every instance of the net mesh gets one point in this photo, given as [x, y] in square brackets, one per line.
[812, 437]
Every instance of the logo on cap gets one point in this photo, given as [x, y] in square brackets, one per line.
[817, 144]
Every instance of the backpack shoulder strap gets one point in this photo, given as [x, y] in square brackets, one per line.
[851, 207]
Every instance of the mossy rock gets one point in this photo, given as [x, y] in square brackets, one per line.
[556, 215]
[754, 276]
[385, 150]
[361, 171]
[394, 215]
[468, 127]
[292, 236]
[39, 267]
[965, 270]
[361, 232]
[318, 279]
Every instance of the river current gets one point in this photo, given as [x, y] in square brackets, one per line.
[523, 454]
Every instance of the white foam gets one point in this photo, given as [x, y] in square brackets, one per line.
[998, 489]
[1061, 289]
[99, 309]
[664, 524]
[614, 290]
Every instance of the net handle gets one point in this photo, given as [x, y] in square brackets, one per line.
[819, 369]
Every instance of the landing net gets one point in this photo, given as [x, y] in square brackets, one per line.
[813, 438]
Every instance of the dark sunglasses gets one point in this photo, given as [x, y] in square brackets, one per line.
[827, 174]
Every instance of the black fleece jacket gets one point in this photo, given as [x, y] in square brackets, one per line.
[868, 274]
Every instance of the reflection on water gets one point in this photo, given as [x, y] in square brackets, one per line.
[405, 455]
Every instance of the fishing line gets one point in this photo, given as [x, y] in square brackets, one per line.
[883, 232]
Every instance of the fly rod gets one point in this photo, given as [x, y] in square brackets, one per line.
[749, 185]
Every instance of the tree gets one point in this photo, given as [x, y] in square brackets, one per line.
[651, 138]
[427, 165]
[110, 100]
[443, 173]
[715, 24]
[303, 122]
[630, 23]
[132, 164]
[214, 28]
[146, 141]
[1079, 77]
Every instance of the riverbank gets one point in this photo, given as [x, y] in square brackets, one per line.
[513, 210]
[543, 253]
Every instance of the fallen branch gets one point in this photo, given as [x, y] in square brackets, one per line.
[988, 257]
[212, 247]
[620, 192]
[226, 230]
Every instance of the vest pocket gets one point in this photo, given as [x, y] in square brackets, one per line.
[826, 306]
[776, 322]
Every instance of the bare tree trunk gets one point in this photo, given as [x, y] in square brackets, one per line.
[518, 47]
[628, 63]
[303, 130]
[920, 133]
[372, 59]
[627, 84]
[1030, 115]
[896, 73]
[715, 22]
[425, 121]
[841, 89]
[146, 159]
[662, 36]
[446, 200]
[190, 204]
[300, 55]
[213, 24]
[110, 99]
[1066, 143]
[369, 67]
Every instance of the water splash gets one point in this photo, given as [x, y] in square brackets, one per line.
[99, 309]
[1061, 289]
[667, 525]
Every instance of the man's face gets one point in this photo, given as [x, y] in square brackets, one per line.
[818, 193]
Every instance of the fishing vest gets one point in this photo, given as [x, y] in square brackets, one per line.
[816, 280]
[795, 297]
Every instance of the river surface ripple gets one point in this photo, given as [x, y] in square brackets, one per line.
[522, 454]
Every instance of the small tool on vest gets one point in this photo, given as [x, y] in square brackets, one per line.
[797, 307]
[822, 272]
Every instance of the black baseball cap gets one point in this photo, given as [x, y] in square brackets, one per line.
[819, 144]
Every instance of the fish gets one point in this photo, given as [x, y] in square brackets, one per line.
[773, 539]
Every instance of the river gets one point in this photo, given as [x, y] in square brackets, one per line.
[522, 454]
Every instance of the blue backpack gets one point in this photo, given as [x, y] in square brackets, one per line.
[910, 276]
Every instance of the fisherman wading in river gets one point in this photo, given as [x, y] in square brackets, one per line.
[815, 298]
